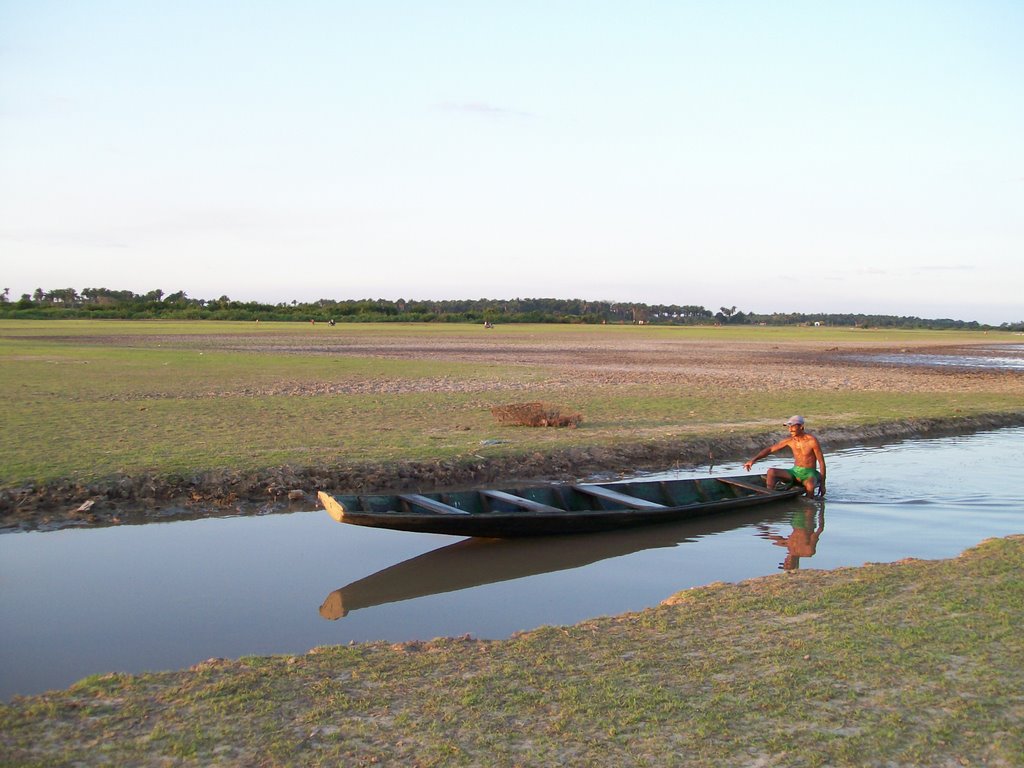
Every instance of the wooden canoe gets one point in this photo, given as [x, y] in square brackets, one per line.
[547, 510]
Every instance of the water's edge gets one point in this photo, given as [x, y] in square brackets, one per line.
[141, 499]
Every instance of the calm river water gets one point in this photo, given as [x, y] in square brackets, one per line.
[168, 595]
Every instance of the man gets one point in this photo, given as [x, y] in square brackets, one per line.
[807, 458]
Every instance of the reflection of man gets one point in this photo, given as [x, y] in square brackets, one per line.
[803, 541]
[807, 458]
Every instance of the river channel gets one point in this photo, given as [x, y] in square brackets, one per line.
[168, 595]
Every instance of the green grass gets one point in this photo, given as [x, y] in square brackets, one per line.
[84, 400]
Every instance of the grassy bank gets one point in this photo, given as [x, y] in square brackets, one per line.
[906, 664]
[87, 400]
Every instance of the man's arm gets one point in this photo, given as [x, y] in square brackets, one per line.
[767, 451]
[821, 464]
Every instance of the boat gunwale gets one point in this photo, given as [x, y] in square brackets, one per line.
[525, 521]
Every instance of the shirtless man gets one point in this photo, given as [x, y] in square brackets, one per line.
[807, 458]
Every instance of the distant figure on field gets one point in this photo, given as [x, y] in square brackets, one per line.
[807, 458]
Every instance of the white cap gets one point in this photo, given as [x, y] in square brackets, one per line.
[794, 421]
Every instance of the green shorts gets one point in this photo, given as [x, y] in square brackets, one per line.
[801, 474]
[801, 519]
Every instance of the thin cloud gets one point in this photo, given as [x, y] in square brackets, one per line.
[482, 109]
[50, 238]
[912, 269]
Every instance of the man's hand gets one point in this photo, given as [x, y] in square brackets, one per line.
[748, 465]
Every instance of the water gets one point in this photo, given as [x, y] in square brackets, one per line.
[1010, 357]
[164, 596]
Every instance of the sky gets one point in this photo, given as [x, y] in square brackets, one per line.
[799, 156]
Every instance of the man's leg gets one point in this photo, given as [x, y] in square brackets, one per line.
[778, 476]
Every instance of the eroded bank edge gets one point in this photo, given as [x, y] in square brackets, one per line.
[135, 499]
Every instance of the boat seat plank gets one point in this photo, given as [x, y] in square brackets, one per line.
[432, 504]
[738, 484]
[619, 498]
[519, 501]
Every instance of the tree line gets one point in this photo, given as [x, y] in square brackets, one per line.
[127, 305]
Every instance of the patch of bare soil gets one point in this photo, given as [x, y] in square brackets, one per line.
[615, 360]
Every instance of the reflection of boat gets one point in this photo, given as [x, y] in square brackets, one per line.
[474, 562]
[554, 509]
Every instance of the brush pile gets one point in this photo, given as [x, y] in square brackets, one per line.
[535, 415]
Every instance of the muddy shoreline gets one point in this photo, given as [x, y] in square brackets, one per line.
[151, 498]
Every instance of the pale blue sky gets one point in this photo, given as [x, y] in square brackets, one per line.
[775, 156]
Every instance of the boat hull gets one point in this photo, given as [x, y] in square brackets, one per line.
[554, 509]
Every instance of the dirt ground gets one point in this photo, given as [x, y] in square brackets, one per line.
[568, 362]
[619, 359]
